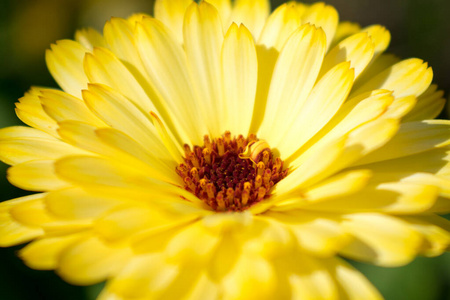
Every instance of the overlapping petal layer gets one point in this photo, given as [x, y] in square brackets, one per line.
[367, 168]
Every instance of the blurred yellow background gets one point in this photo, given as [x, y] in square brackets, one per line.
[419, 28]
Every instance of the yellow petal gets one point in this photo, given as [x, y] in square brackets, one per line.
[31, 213]
[202, 288]
[224, 9]
[44, 254]
[385, 174]
[165, 281]
[65, 63]
[366, 139]
[391, 197]
[360, 110]
[181, 249]
[249, 272]
[171, 13]
[357, 49]
[339, 185]
[38, 175]
[77, 203]
[30, 111]
[172, 147]
[11, 231]
[103, 67]
[145, 276]
[344, 30]
[324, 16]
[23, 132]
[378, 64]
[124, 181]
[412, 138]
[166, 65]
[117, 146]
[138, 154]
[441, 206]
[354, 113]
[118, 34]
[239, 74]
[308, 280]
[279, 26]
[190, 283]
[91, 261]
[294, 76]
[266, 238]
[324, 101]
[353, 284]
[84, 136]
[96, 171]
[118, 112]
[136, 18]
[155, 240]
[400, 107]
[23, 149]
[203, 34]
[381, 239]
[61, 107]
[436, 232]
[35, 214]
[252, 14]
[90, 38]
[66, 227]
[434, 161]
[106, 295]
[267, 59]
[14, 233]
[429, 105]
[440, 181]
[316, 233]
[380, 37]
[342, 184]
[408, 77]
[224, 258]
[124, 221]
[313, 169]
[220, 223]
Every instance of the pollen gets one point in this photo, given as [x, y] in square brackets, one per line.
[231, 173]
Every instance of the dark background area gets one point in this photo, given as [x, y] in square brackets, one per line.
[419, 28]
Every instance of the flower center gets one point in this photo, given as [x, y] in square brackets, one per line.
[229, 173]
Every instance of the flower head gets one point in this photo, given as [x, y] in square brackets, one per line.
[216, 151]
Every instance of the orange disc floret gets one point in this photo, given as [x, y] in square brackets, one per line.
[231, 173]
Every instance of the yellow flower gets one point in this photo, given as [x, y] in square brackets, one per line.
[190, 156]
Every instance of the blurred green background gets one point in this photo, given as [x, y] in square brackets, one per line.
[419, 28]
